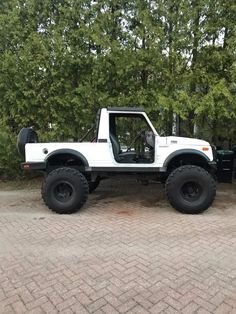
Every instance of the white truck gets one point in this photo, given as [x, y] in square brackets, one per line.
[124, 141]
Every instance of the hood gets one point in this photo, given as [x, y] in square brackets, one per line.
[185, 141]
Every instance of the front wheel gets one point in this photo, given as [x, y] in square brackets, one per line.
[65, 190]
[190, 189]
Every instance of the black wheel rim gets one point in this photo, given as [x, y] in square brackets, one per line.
[191, 191]
[63, 191]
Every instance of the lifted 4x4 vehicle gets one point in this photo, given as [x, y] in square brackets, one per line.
[124, 142]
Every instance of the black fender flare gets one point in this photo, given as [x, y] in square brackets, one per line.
[68, 151]
[189, 151]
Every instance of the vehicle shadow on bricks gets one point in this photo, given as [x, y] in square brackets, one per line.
[152, 197]
[114, 193]
[122, 197]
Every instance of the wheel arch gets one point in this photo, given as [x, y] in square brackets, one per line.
[66, 157]
[192, 156]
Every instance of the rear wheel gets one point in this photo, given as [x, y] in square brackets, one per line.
[190, 189]
[65, 190]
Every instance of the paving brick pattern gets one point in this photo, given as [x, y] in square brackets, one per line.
[126, 251]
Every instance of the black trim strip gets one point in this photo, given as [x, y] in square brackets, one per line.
[102, 140]
[33, 165]
[131, 109]
[125, 169]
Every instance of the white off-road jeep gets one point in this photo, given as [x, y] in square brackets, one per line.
[123, 141]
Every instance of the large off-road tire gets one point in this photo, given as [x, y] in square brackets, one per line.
[93, 185]
[190, 189]
[65, 190]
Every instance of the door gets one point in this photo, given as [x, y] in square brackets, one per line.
[132, 138]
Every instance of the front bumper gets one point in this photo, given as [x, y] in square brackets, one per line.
[212, 164]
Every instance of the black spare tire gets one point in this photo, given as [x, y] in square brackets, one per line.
[26, 135]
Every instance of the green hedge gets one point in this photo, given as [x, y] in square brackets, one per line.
[9, 156]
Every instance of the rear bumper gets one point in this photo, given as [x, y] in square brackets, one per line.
[33, 166]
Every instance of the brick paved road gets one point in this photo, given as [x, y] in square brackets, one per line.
[127, 251]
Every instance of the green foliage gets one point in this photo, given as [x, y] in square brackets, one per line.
[9, 157]
[61, 60]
